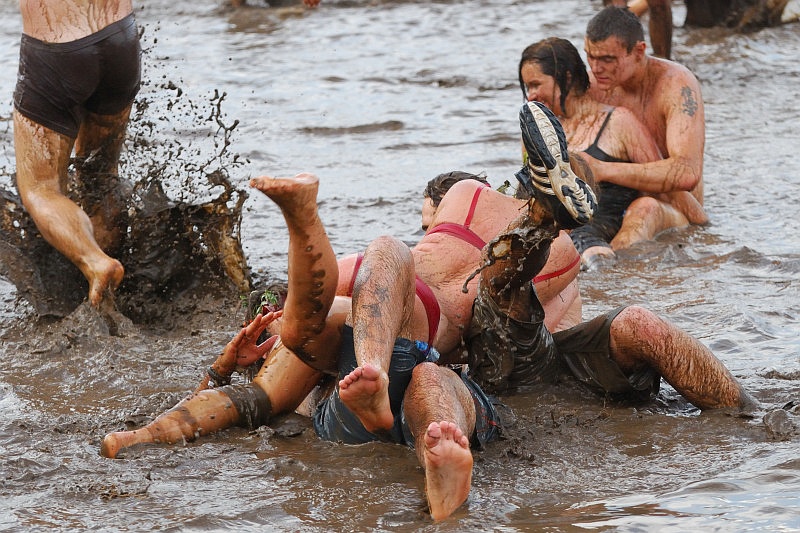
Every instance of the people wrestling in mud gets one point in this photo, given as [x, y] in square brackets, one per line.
[381, 351]
[79, 71]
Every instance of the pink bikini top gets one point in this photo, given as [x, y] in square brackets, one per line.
[462, 231]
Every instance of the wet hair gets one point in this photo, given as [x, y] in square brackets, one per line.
[618, 22]
[438, 186]
[560, 59]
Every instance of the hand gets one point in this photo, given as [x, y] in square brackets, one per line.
[243, 346]
[242, 350]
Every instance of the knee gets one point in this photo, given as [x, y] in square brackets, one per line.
[390, 246]
[643, 207]
[636, 321]
[425, 372]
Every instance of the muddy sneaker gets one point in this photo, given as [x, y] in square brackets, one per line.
[547, 175]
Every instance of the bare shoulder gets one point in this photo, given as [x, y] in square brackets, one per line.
[675, 92]
[623, 119]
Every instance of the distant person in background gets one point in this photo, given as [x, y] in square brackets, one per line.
[79, 71]
[744, 15]
[552, 72]
[307, 3]
[665, 96]
[659, 25]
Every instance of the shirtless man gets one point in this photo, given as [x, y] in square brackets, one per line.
[666, 98]
[79, 71]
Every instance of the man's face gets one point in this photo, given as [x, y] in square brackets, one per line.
[541, 87]
[610, 62]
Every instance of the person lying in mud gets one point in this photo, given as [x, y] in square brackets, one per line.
[58, 105]
[433, 409]
[392, 381]
[552, 72]
[621, 353]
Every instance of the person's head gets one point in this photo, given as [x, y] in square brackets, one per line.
[549, 70]
[438, 187]
[614, 46]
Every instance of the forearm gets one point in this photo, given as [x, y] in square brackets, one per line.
[666, 175]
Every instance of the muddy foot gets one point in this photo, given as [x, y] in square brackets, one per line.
[297, 196]
[365, 391]
[448, 468]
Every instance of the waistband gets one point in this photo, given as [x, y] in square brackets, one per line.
[120, 26]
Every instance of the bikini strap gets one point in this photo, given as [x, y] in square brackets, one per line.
[356, 266]
[432, 309]
[602, 129]
[551, 275]
[474, 203]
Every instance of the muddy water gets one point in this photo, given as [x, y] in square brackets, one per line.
[377, 97]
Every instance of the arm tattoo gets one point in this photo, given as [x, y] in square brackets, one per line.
[689, 102]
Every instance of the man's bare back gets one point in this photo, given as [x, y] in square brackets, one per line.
[60, 21]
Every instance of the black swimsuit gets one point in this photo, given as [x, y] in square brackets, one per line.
[58, 83]
[613, 201]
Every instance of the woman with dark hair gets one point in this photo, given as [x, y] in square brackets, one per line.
[552, 72]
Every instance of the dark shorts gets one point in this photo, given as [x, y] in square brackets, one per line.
[333, 421]
[585, 350]
[58, 83]
[507, 354]
[613, 201]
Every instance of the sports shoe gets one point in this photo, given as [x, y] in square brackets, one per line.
[547, 175]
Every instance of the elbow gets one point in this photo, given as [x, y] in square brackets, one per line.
[684, 176]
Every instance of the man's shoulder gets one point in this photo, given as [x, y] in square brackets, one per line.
[671, 73]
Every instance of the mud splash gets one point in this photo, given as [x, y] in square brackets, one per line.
[181, 235]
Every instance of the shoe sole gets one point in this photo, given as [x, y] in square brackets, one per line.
[557, 177]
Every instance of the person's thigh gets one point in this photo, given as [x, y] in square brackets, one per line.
[42, 156]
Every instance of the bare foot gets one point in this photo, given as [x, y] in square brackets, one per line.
[365, 391]
[104, 277]
[114, 442]
[448, 468]
[297, 196]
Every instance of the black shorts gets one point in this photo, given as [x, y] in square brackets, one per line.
[506, 354]
[585, 349]
[613, 200]
[333, 421]
[58, 83]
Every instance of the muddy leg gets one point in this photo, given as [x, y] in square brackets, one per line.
[199, 414]
[638, 336]
[313, 272]
[282, 384]
[42, 157]
[103, 195]
[383, 305]
[441, 414]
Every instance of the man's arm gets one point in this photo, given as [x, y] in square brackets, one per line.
[682, 169]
